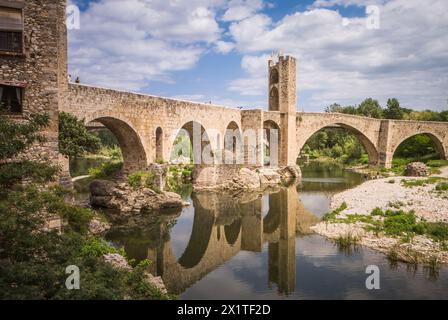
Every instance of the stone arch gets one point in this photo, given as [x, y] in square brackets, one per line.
[233, 144]
[274, 101]
[436, 141]
[159, 144]
[272, 140]
[131, 144]
[274, 76]
[202, 149]
[232, 231]
[369, 146]
[203, 224]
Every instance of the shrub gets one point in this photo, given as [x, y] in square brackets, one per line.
[443, 186]
[106, 170]
[143, 179]
[96, 247]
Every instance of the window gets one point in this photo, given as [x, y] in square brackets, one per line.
[11, 30]
[11, 98]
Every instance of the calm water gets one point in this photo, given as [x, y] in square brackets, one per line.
[261, 247]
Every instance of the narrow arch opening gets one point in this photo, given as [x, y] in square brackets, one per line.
[192, 145]
[271, 144]
[233, 144]
[274, 102]
[424, 147]
[274, 76]
[159, 145]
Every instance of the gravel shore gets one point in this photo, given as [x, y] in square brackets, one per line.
[386, 194]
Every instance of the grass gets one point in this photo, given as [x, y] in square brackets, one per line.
[396, 204]
[443, 186]
[395, 223]
[347, 243]
[421, 182]
[330, 216]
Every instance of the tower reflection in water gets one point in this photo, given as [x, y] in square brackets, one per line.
[223, 226]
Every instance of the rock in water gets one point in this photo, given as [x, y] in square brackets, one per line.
[416, 169]
[102, 188]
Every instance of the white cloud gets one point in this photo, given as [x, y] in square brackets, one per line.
[241, 9]
[125, 44]
[224, 47]
[406, 58]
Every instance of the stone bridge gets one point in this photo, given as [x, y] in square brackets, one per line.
[146, 126]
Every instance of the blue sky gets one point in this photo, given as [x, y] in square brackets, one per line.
[217, 50]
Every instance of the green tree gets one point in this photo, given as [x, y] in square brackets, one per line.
[370, 108]
[33, 260]
[393, 110]
[74, 139]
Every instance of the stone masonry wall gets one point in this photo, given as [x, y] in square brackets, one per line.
[40, 68]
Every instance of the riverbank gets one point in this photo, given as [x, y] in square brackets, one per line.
[365, 215]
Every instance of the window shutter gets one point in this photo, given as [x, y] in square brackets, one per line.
[11, 19]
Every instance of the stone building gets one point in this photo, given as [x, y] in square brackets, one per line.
[33, 64]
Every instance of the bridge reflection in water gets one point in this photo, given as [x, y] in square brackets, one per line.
[222, 227]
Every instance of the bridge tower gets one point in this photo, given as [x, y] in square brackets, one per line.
[283, 99]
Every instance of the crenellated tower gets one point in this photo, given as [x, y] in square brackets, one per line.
[283, 99]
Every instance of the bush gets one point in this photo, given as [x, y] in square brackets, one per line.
[443, 186]
[143, 179]
[96, 247]
[106, 170]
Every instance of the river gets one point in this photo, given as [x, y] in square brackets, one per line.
[261, 247]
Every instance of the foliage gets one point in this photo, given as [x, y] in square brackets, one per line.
[74, 139]
[33, 259]
[96, 247]
[179, 179]
[409, 183]
[346, 242]
[333, 214]
[443, 186]
[106, 137]
[106, 170]
[393, 110]
[143, 179]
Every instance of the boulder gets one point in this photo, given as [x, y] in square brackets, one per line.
[97, 227]
[171, 200]
[416, 169]
[102, 188]
[269, 177]
[102, 202]
[248, 179]
[157, 282]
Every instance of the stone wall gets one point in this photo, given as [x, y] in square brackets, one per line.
[41, 68]
[145, 113]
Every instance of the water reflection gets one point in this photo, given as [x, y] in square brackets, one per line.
[260, 246]
[222, 227]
